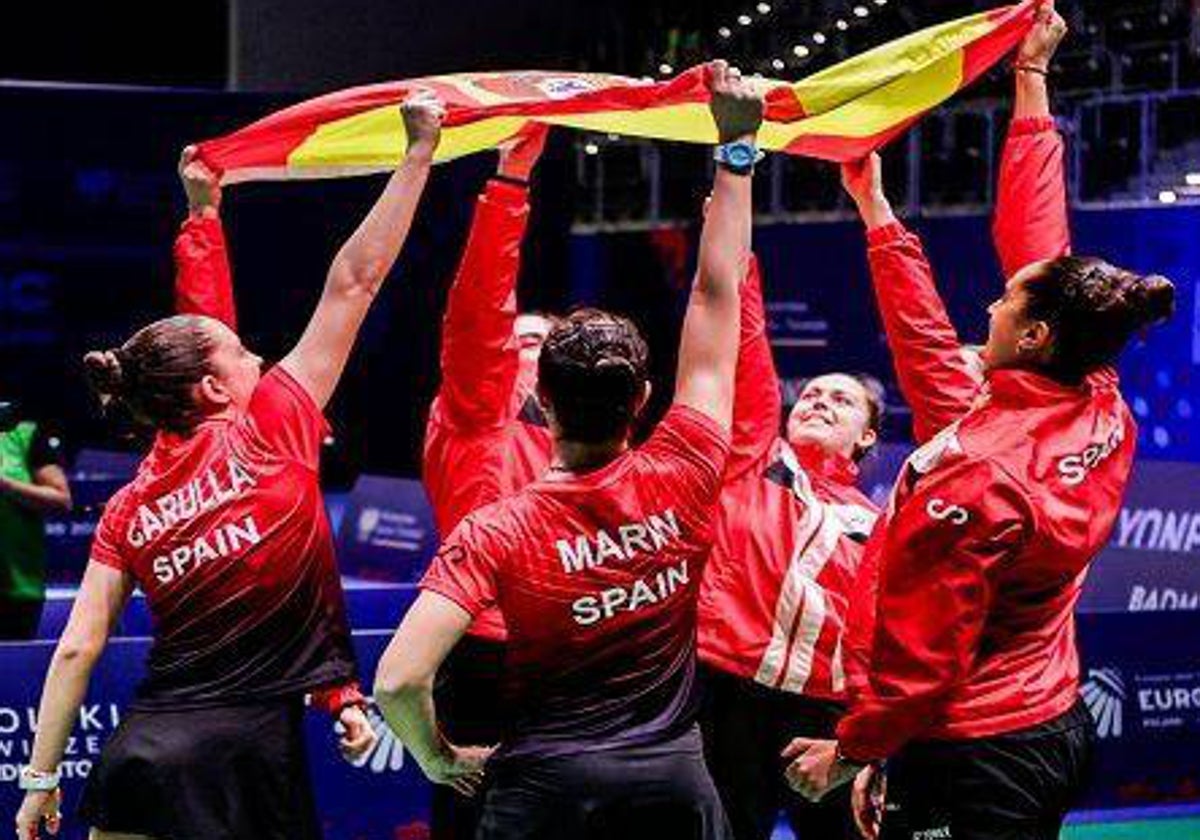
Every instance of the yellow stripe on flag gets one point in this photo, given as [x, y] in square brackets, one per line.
[914, 54]
[376, 139]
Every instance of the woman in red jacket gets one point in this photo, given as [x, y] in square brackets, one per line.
[969, 676]
[225, 532]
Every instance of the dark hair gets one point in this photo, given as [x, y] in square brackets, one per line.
[150, 377]
[876, 408]
[1093, 308]
[592, 372]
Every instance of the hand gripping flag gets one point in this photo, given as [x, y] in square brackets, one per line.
[839, 114]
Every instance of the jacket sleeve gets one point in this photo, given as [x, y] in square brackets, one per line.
[203, 283]
[1030, 222]
[934, 594]
[757, 405]
[479, 357]
[938, 376]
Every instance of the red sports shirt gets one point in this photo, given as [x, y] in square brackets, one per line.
[486, 437]
[226, 534]
[597, 577]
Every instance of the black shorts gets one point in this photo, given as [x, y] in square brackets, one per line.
[646, 793]
[223, 773]
[746, 726]
[467, 693]
[1016, 786]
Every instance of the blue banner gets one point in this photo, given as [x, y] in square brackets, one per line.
[385, 796]
[1140, 680]
[387, 531]
[1152, 561]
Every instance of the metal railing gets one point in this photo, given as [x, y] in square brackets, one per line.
[1124, 149]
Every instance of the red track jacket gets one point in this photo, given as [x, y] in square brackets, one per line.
[979, 561]
[789, 538]
[486, 437]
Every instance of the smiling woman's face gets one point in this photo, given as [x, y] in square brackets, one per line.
[834, 413]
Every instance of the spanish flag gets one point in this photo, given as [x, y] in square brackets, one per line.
[838, 114]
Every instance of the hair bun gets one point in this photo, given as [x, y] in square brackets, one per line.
[1153, 298]
[104, 373]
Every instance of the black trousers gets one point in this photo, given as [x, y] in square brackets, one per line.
[467, 694]
[1016, 786]
[19, 619]
[746, 726]
[659, 792]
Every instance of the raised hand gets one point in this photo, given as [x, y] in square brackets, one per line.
[520, 154]
[737, 108]
[1043, 39]
[423, 114]
[200, 184]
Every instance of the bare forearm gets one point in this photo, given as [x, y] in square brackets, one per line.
[410, 713]
[725, 239]
[875, 210]
[63, 693]
[1032, 97]
[39, 498]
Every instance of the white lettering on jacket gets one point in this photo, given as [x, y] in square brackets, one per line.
[1073, 469]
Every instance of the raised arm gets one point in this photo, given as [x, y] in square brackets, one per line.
[203, 283]
[479, 356]
[361, 266]
[102, 596]
[709, 343]
[757, 404]
[1030, 222]
[938, 376]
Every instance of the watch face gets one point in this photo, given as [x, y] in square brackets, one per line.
[740, 155]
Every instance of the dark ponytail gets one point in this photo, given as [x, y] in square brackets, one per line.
[149, 380]
[1093, 308]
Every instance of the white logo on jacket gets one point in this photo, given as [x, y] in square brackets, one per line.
[941, 509]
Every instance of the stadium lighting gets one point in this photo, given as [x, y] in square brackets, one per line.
[1192, 179]
[764, 8]
[1168, 197]
[777, 63]
[819, 38]
[881, 2]
[800, 51]
[725, 32]
[841, 25]
[591, 149]
[666, 69]
[861, 11]
[744, 20]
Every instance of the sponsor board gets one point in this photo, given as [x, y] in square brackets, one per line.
[387, 531]
[383, 794]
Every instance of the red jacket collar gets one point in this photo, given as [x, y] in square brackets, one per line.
[829, 465]
[1028, 388]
